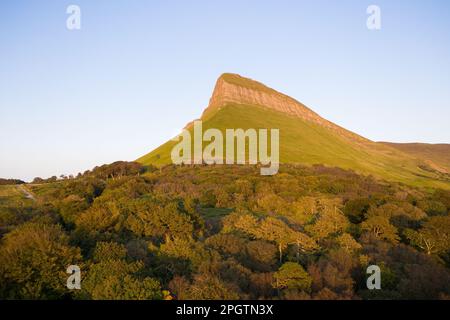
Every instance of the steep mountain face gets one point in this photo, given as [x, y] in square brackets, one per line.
[234, 89]
[305, 137]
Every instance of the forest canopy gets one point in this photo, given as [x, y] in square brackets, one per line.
[223, 232]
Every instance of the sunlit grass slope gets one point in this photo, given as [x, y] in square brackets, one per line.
[439, 154]
[308, 143]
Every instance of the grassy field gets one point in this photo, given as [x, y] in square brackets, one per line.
[439, 154]
[11, 195]
[10, 191]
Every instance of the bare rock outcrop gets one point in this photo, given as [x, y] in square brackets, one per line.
[235, 89]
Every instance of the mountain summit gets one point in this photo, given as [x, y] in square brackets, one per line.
[305, 137]
[234, 89]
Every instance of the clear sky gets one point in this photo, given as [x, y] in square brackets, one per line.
[137, 71]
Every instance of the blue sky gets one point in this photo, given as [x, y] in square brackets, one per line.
[138, 71]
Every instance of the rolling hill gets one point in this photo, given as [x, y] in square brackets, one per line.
[437, 156]
[306, 137]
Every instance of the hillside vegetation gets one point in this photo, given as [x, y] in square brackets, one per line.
[307, 138]
[303, 142]
[223, 232]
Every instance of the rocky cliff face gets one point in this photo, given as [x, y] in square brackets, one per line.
[232, 88]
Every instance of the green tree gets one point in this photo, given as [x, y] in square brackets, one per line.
[262, 255]
[210, 287]
[347, 242]
[356, 209]
[33, 262]
[111, 277]
[183, 256]
[433, 237]
[147, 218]
[330, 221]
[291, 275]
[119, 280]
[270, 229]
[381, 228]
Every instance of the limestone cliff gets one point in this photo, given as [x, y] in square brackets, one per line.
[235, 89]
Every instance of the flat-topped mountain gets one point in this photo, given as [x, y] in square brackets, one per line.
[234, 89]
[305, 137]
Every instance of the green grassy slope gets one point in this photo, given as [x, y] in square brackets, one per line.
[13, 196]
[439, 154]
[308, 143]
[10, 191]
